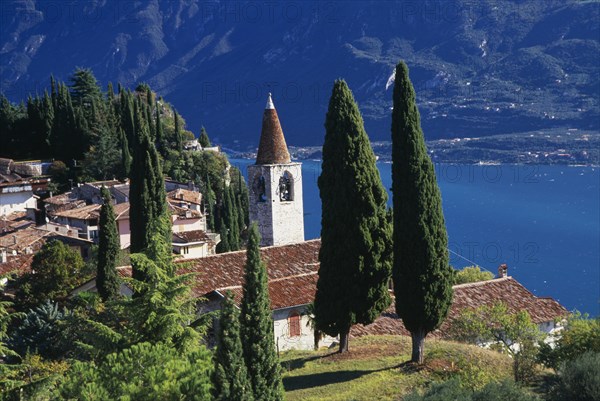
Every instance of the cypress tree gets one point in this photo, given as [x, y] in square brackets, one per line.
[160, 136]
[147, 192]
[48, 119]
[110, 92]
[257, 327]
[209, 204]
[231, 219]
[229, 222]
[230, 377]
[125, 155]
[223, 246]
[355, 255]
[107, 279]
[178, 136]
[204, 139]
[422, 274]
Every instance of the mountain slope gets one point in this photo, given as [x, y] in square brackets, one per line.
[480, 68]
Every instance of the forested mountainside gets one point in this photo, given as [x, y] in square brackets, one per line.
[480, 68]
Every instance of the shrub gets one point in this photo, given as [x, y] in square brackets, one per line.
[41, 332]
[580, 379]
[448, 390]
[471, 274]
[505, 391]
[580, 335]
[452, 390]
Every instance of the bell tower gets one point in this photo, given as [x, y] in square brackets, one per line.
[275, 186]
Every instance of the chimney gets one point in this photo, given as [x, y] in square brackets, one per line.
[14, 239]
[503, 270]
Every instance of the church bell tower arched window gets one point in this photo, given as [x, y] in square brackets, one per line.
[286, 187]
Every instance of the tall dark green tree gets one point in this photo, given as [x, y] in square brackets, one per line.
[422, 274]
[209, 204]
[355, 255]
[84, 87]
[204, 140]
[178, 134]
[229, 221]
[147, 192]
[125, 155]
[223, 246]
[257, 327]
[160, 135]
[230, 377]
[107, 279]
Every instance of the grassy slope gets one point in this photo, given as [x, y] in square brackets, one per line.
[375, 369]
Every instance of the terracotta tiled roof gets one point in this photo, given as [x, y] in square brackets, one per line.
[272, 148]
[185, 195]
[227, 269]
[473, 295]
[22, 239]
[61, 199]
[182, 211]
[121, 211]
[13, 222]
[81, 213]
[284, 292]
[32, 239]
[19, 265]
[191, 236]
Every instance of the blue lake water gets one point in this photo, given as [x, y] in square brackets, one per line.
[542, 221]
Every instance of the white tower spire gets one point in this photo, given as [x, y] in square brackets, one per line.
[270, 105]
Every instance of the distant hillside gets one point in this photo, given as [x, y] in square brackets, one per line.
[480, 67]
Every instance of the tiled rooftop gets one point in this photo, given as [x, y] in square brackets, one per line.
[191, 236]
[472, 295]
[81, 213]
[284, 292]
[185, 195]
[19, 265]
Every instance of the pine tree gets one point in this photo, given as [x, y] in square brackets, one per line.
[355, 255]
[230, 377]
[257, 327]
[422, 274]
[204, 139]
[84, 87]
[107, 279]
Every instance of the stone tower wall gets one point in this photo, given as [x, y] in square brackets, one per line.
[279, 221]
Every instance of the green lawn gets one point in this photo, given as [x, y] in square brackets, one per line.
[376, 369]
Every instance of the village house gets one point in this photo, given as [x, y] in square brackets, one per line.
[546, 312]
[292, 281]
[20, 185]
[194, 145]
[80, 209]
[30, 240]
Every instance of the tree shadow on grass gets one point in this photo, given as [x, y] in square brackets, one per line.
[299, 362]
[326, 378]
[322, 379]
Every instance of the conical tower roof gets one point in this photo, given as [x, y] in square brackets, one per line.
[272, 148]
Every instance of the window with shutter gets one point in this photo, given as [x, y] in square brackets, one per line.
[294, 324]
